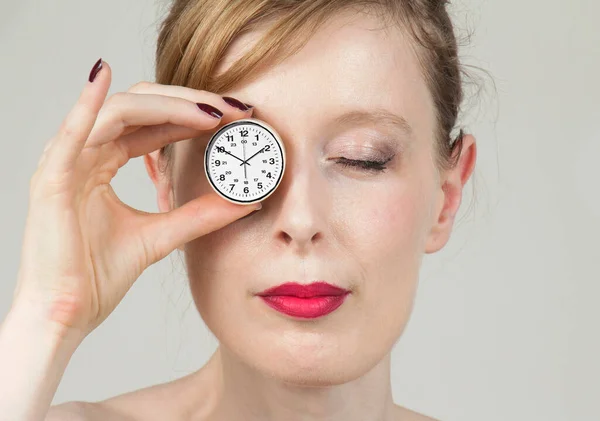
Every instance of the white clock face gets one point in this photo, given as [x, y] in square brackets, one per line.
[245, 161]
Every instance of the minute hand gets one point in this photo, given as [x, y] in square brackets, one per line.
[259, 151]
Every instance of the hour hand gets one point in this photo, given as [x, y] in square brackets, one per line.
[229, 153]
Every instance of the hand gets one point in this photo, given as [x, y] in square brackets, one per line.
[83, 248]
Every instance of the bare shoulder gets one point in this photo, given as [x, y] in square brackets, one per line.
[74, 411]
[143, 404]
[83, 411]
[157, 402]
[406, 414]
[132, 406]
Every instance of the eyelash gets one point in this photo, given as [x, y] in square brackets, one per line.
[366, 165]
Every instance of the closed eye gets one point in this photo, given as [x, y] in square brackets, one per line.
[367, 165]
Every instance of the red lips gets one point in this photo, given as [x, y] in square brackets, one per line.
[319, 288]
[305, 301]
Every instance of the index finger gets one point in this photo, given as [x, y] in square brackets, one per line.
[194, 95]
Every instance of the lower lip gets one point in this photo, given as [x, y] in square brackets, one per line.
[308, 308]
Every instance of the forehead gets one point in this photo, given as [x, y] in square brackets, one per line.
[351, 62]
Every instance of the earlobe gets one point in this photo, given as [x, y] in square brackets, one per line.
[450, 196]
[161, 181]
[151, 167]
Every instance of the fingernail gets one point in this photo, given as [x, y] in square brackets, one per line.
[97, 67]
[258, 206]
[210, 110]
[248, 105]
[235, 103]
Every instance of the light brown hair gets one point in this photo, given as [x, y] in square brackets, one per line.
[196, 34]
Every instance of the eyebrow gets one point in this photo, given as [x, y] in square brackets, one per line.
[377, 116]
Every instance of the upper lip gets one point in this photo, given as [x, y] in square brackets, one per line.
[305, 291]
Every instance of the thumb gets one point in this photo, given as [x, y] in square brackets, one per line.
[166, 231]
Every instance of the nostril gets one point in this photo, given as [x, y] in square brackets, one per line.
[286, 237]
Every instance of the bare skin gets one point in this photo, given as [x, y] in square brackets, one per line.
[268, 366]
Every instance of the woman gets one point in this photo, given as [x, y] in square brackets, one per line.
[364, 95]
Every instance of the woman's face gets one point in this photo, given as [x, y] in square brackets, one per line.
[364, 230]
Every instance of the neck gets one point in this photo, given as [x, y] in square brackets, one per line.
[234, 391]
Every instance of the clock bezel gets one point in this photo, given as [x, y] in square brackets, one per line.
[245, 121]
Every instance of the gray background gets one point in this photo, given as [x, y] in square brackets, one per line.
[505, 324]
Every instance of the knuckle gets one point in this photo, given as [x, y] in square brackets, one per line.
[210, 96]
[112, 105]
[114, 99]
[141, 86]
[70, 127]
[76, 122]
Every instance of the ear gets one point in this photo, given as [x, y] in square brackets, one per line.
[450, 195]
[162, 182]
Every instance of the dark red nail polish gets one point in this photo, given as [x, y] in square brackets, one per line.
[210, 110]
[97, 67]
[235, 103]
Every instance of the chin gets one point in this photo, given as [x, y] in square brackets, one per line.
[313, 360]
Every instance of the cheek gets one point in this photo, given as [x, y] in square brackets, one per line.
[389, 225]
[388, 222]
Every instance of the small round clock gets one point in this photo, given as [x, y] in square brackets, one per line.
[244, 161]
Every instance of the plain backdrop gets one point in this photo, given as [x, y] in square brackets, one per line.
[505, 324]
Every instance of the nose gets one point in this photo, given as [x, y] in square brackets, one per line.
[301, 203]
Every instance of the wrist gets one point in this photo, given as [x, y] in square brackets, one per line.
[34, 353]
[37, 316]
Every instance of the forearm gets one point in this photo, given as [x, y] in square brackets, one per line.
[33, 357]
